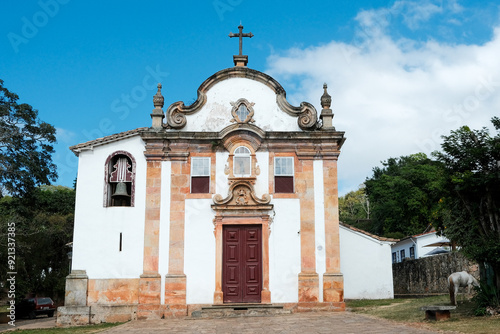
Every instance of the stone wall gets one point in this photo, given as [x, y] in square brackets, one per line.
[426, 276]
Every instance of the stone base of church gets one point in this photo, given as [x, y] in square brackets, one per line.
[308, 287]
[319, 307]
[85, 315]
[149, 297]
[175, 310]
[175, 289]
[73, 315]
[333, 287]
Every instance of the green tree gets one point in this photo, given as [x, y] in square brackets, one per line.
[354, 207]
[44, 226]
[472, 160]
[25, 147]
[405, 194]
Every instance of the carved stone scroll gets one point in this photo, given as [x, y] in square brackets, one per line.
[241, 194]
[306, 113]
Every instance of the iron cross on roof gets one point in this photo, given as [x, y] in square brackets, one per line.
[241, 35]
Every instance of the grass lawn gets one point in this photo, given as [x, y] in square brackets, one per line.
[69, 330]
[408, 311]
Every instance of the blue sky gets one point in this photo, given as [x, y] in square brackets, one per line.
[401, 73]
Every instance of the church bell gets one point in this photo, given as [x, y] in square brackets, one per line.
[121, 190]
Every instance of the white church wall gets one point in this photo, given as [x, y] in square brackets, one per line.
[319, 226]
[97, 229]
[215, 115]
[366, 265]
[199, 251]
[262, 183]
[164, 242]
[284, 251]
[221, 184]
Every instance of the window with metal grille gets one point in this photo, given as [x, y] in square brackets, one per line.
[242, 112]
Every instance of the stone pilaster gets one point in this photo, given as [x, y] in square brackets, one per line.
[150, 280]
[304, 186]
[333, 281]
[175, 280]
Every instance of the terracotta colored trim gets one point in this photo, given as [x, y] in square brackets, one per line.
[304, 186]
[152, 219]
[332, 242]
[180, 187]
[199, 196]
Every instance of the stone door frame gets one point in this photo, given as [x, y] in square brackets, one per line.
[246, 219]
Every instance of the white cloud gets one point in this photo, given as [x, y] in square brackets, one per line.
[65, 136]
[394, 97]
[412, 13]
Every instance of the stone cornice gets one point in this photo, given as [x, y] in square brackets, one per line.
[176, 145]
[177, 111]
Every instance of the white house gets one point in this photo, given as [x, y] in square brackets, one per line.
[420, 245]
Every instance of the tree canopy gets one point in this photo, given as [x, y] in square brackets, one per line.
[405, 195]
[472, 206]
[355, 209]
[25, 147]
[44, 227]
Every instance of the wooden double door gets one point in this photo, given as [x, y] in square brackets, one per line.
[242, 263]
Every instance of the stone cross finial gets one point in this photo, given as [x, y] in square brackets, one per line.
[241, 35]
[240, 59]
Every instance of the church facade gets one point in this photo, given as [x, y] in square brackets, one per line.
[230, 200]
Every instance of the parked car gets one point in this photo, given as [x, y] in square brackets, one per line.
[31, 307]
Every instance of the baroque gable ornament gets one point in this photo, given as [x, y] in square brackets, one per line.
[242, 111]
[306, 113]
[241, 194]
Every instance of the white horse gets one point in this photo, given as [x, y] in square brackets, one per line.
[457, 280]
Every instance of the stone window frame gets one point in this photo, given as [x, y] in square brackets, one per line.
[254, 168]
[296, 170]
[292, 174]
[242, 155]
[249, 107]
[107, 186]
[209, 159]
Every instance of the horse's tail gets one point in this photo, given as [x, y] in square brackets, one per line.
[451, 287]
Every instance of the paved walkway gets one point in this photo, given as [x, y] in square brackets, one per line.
[301, 323]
